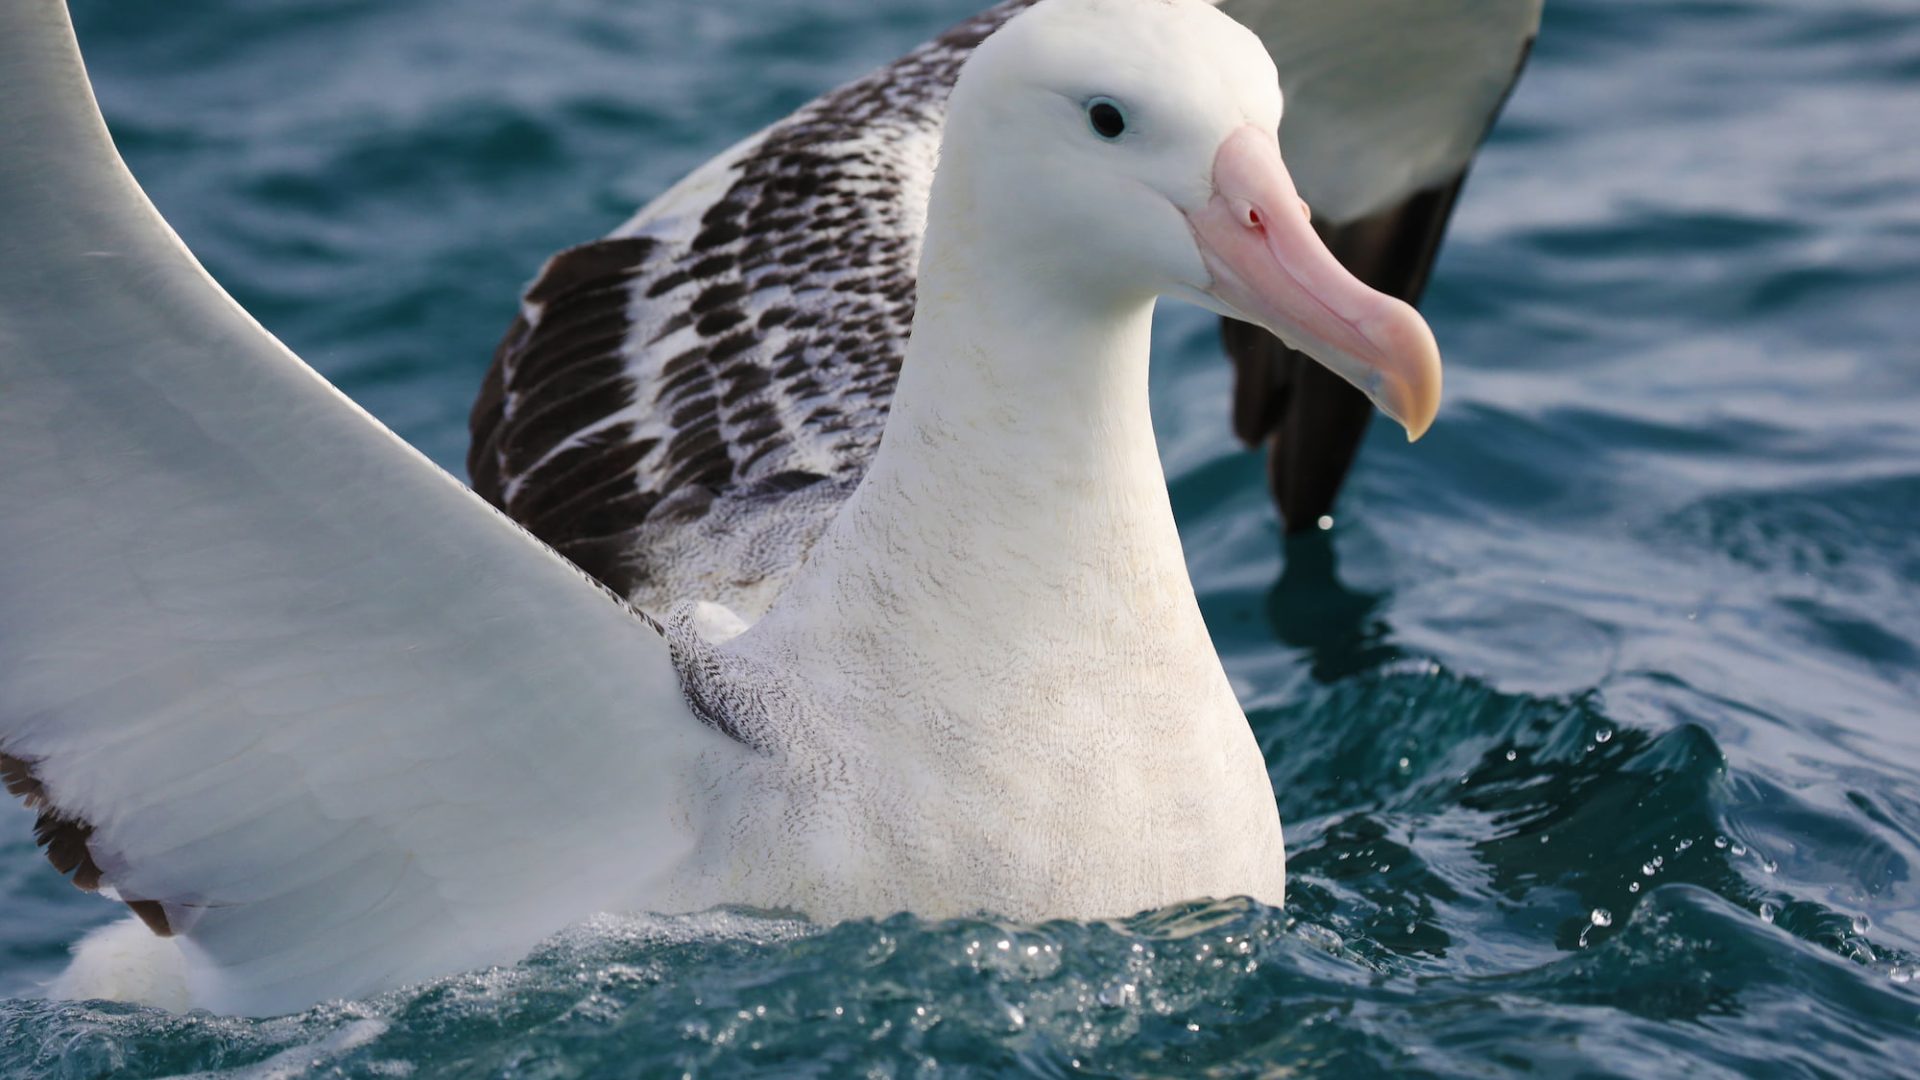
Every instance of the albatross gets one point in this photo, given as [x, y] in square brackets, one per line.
[327, 722]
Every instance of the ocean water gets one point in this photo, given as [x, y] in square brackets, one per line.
[1594, 720]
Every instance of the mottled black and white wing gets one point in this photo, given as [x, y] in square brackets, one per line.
[269, 676]
[681, 406]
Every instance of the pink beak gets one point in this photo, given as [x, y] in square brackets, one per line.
[1269, 267]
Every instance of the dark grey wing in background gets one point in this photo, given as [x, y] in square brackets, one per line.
[1387, 100]
[1310, 420]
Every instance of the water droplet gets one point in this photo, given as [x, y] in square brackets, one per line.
[1863, 953]
[1659, 860]
[1768, 864]
[1720, 842]
[1767, 912]
[1118, 994]
[1603, 736]
[1513, 755]
[1633, 887]
[1683, 845]
[1861, 923]
[1325, 522]
[1601, 917]
[1321, 938]
[1902, 976]
[1739, 849]
[1405, 764]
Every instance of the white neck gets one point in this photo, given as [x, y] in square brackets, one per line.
[1015, 513]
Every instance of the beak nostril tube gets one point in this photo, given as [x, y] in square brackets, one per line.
[1271, 268]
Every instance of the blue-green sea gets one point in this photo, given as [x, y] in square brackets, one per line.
[1594, 719]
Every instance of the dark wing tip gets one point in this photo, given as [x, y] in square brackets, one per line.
[65, 837]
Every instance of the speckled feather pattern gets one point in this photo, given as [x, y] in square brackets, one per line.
[682, 406]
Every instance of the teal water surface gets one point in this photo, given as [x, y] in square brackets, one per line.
[1594, 721]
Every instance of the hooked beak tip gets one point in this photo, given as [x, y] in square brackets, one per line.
[1409, 390]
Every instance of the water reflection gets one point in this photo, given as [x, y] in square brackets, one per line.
[1342, 630]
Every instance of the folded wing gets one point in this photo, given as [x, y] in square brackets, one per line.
[268, 675]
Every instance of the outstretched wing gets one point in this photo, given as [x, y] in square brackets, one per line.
[268, 675]
[1387, 101]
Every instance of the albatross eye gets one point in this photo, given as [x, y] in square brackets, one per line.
[1108, 121]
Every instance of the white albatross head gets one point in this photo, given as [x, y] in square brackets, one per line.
[1132, 148]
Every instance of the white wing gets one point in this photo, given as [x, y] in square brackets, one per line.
[1387, 97]
[270, 675]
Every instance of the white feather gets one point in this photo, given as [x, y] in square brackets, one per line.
[345, 722]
